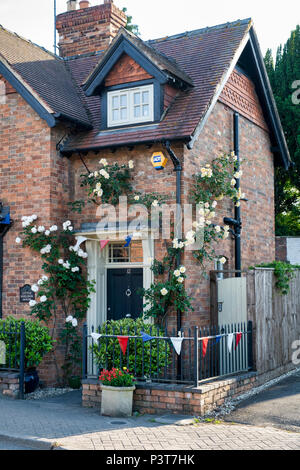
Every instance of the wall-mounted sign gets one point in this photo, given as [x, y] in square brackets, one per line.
[2, 353]
[26, 294]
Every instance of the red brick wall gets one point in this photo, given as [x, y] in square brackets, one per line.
[89, 29]
[258, 235]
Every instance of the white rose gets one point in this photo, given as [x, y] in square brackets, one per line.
[32, 303]
[41, 229]
[136, 198]
[218, 229]
[60, 261]
[177, 273]
[53, 228]
[47, 232]
[35, 288]
[155, 203]
[180, 279]
[69, 319]
[131, 164]
[18, 240]
[43, 299]
[74, 322]
[103, 162]
[223, 260]
[164, 292]
[183, 270]
[33, 230]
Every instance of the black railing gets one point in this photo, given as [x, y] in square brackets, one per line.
[12, 351]
[206, 353]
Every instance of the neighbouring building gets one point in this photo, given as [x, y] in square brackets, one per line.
[288, 249]
[112, 95]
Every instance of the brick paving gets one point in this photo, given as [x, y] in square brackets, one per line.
[65, 422]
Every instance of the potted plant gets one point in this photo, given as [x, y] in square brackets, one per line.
[117, 392]
[38, 343]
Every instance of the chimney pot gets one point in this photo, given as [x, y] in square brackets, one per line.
[84, 4]
[71, 5]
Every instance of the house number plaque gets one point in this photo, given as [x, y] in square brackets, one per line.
[26, 294]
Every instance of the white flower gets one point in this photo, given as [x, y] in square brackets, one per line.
[96, 174]
[190, 235]
[82, 254]
[32, 303]
[47, 232]
[35, 288]
[71, 228]
[103, 162]
[182, 270]
[180, 279]
[223, 260]
[131, 164]
[177, 273]
[155, 203]
[40, 282]
[136, 198]
[69, 319]
[34, 217]
[45, 278]
[67, 265]
[61, 261]
[91, 175]
[233, 182]
[74, 322]
[43, 299]
[53, 228]
[214, 204]
[180, 245]
[217, 228]
[175, 243]
[104, 174]
[18, 240]
[75, 270]
[46, 249]
[66, 224]
[34, 230]
[206, 205]
[164, 292]
[41, 229]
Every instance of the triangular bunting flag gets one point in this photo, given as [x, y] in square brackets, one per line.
[146, 337]
[230, 341]
[218, 339]
[80, 240]
[177, 343]
[128, 241]
[96, 336]
[123, 342]
[103, 244]
[204, 346]
[238, 339]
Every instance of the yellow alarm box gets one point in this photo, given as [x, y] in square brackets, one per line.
[158, 160]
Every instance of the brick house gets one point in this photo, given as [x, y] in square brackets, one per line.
[61, 115]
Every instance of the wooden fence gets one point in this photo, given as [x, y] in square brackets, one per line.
[275, 317]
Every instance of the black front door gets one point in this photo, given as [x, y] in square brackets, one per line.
[123, 299]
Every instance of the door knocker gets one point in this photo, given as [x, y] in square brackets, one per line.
[128, 292]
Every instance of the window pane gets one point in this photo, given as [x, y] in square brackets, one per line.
[124, 100]
[145, 96]
[115, 102]
[137, 98]
[115, 114]
[137, 111]
[119, 254]
[123, 113]
[145, 110]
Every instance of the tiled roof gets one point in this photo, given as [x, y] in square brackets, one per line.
[204, 55]
[45, 74]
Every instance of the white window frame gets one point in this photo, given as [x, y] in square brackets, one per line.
[131, 119]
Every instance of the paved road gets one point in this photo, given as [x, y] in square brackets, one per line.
[6, 444]
[63, 421]
[277, 407]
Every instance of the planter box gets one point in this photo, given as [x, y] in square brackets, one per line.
[117, 402]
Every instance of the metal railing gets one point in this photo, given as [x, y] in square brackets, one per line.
[156, 361]
[12, 340]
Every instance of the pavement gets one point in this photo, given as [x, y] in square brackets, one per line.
[269, 421]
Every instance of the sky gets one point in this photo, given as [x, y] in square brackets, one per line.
[273, 20]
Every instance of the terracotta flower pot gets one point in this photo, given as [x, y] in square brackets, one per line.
[117, 401]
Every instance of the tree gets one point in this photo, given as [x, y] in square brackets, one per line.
[284, 77]
[133, 28]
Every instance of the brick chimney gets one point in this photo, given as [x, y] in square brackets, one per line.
[88, 29]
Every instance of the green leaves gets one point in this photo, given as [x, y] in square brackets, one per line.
[284, 273]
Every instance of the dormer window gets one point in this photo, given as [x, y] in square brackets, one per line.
[130, 106]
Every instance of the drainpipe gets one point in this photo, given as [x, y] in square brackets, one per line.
[178, 224]
[2, 235]
[236, 222]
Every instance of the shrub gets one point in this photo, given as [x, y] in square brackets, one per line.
[155, 353]
[38, 341]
